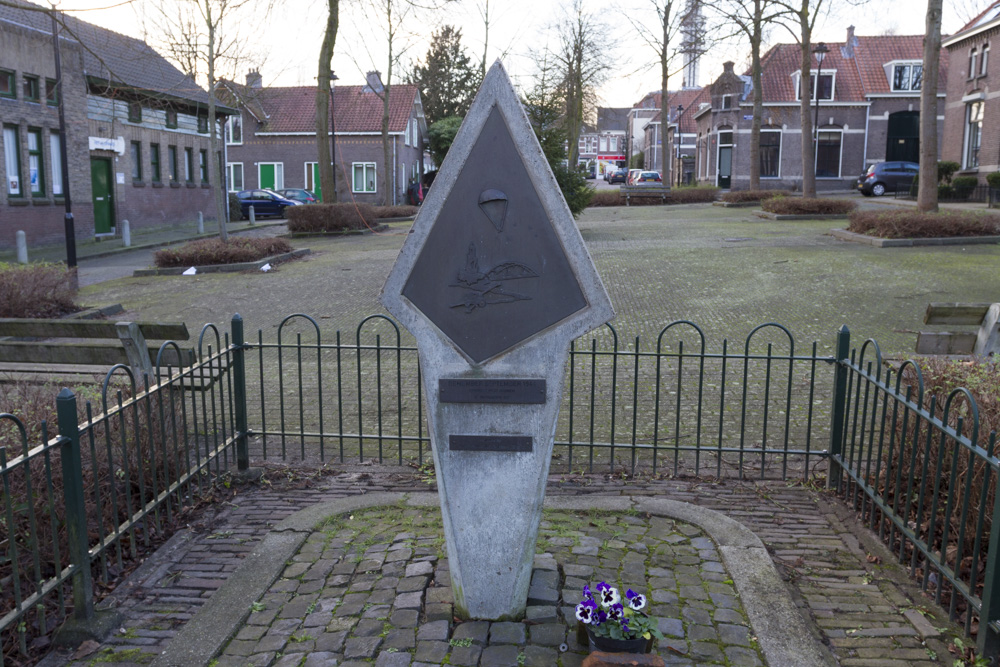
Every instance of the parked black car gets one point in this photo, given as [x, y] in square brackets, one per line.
[264, 202]
[619, 176]
[884, 177]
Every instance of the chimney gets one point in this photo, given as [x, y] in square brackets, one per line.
[254, 79]
[374, 80]
[727, 67]
[847, 51]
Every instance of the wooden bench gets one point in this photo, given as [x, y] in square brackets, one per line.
[981, 343]
[645, 190]
[37, 347]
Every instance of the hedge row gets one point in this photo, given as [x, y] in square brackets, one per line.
[904, 224]
[215, 251]
[684, 195]
[341, 217]
[800, 206]
[746, 196]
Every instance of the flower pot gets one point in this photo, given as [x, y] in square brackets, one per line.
[609, 645]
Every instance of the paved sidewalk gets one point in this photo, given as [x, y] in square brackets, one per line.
[851, 595]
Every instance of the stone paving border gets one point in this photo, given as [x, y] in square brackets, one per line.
[783, 634]
[853, 237]
[801, 216]
[224, 268]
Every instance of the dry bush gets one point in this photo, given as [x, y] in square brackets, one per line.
[919, 450]
[746, 196]
[105, 476]
[800, 206]
[606, 198]
[399, 211]
[684, 195]
[340, 217]
[907, 223]
[216, 251]
[36, 290]
[694, 195]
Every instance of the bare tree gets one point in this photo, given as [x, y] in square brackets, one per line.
[803, 15]
[583, 69]
[204, 37]
[927, 199]
[751, 18]
[327, 171]
[673, 22]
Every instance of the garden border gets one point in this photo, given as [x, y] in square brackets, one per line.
[854, 237]
[223, 268]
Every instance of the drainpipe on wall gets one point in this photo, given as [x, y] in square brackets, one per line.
[394, 140]
[224, 176]
[864, 158]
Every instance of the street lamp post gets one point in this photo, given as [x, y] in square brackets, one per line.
[68, 221]
[677, 139]
[820, 51]
[333, 135]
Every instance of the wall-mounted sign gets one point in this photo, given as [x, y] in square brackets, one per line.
[107, 144]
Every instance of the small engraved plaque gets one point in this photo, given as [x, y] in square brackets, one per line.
[493, 390]
[489, 443]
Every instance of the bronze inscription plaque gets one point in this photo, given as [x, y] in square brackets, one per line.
[489, 443]
[484, 390]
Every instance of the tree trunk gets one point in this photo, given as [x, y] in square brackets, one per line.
[213, 134]
[387, 164]
[927, 199]
[664, 97]
[324, 123]
[805, 117]
[758, 94]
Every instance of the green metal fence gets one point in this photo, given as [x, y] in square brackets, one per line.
[109, 485]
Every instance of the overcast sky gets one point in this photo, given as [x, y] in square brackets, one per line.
[519, 31]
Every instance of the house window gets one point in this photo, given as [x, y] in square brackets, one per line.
[7, 88]
[907, 77]
[727, 101]
[985, 59]
[826, 86]
[973, 134]
[234, 175]
[203, 165]
[770, 154]
[312, 175]
[172, 163]
[828, 155]
[12, 160]
[189, 165]
[55, 149]
[234, 130]
[31, 90]
[134, 112]
[972, 62]
[171, 119]
[406, 133]
[154, 161]
[51, 93]
[202, 124]
[364, 177]
[36, 169]
[136, 161]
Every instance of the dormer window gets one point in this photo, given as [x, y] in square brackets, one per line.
[827, 81]
[907, 77]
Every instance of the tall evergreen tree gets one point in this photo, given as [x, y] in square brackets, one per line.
[447, 79]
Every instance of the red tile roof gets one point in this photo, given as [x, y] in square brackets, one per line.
[857, 77]
[293, 108]
[688, 98]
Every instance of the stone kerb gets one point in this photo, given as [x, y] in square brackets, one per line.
[494, 282]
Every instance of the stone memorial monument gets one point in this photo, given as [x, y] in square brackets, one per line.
[494, 282]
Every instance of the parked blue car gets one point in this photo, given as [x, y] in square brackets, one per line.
[264, 202]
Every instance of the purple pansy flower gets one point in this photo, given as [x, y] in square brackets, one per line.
[587, 595]
[585, 611]
[609, 595]
[635, 600]
[616, 612]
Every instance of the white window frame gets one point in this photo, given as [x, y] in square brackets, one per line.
[781, 145]
[55, 149]
[727, 102]
[307, 172]
[365, 167]
[840, 159]
[229, 130]
[909, 81]
[812, 73]
[984, 59]
[12, 160]
[230, 176]
[967, 140]
[972, 62]
[279, 175]
[406, 133]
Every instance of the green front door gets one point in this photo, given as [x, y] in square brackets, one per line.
[267, 177]
[100, 186]
[316, 189]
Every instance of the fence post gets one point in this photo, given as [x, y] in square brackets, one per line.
[240, 394]
[843, 351]
[988, 641]
[86, 623]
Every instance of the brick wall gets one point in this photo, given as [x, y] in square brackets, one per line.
[960, 85]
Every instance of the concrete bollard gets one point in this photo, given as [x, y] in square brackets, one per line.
[126, 234]
[201, 222]
[22, 247]
[253, 219]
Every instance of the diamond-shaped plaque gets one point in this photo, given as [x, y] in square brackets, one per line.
[493, 271]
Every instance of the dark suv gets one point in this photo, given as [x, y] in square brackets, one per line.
[619, 176]
[884, 177]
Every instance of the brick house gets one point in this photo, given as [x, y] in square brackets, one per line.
[136, 132]
[972, 111]
[869, 111]
[272, 143]
[604, 145]
[679, 106]
[682, 135]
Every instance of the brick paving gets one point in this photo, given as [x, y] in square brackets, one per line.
[860, 609]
